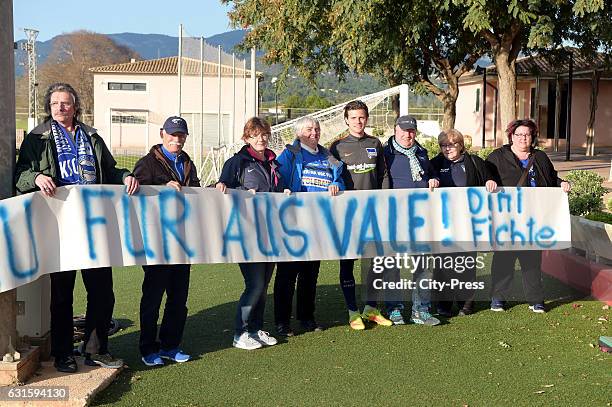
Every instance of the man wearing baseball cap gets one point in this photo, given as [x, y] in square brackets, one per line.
[406, 123]
[166, 164]
[409, 167]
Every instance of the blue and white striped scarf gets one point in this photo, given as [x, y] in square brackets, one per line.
[75, 159]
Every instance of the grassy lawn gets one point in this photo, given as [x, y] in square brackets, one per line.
[127, 161]
[21, 124]
[503, 359]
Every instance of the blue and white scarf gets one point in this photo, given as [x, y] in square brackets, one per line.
[415, 166]
[75, 159]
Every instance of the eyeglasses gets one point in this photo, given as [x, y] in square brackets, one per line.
[62, 104]
[262, 136]
[451, 145]
[519, 135]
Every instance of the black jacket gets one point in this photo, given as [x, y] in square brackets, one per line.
[506, 168]
[476, 170]
[364, 162]
[154, 169]
[243, 171]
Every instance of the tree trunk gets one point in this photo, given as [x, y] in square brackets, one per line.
[506, 74]
[450, 109]
[450, 113]
[590, 132]
[395, 105]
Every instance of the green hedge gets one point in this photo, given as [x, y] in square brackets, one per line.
[587, 192]
[604, 217]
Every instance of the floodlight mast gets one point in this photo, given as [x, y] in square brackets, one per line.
[30, 48]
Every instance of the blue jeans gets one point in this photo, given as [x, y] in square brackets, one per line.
[252, 303]
[421, 297]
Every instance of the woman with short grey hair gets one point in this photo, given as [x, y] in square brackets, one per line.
[306, 166]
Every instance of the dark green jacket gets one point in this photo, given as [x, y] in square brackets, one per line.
[37, 155]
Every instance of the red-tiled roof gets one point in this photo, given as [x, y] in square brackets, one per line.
[169, 66]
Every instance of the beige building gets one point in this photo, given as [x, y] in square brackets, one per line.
[538, 80]
[132, 100]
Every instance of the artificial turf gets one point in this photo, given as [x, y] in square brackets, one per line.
[514, 358]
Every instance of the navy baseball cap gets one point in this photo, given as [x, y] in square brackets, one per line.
[406, 122]
[175, 124]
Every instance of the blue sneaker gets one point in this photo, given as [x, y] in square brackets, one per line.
[396, 317]
[424, 318]
[152, 359]
[175, 355]
[497, 305]
[538, 308]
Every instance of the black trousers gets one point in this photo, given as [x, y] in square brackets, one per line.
[462, 296]
[306, 273]
[174, 281]
[502, 274]
[100, 303]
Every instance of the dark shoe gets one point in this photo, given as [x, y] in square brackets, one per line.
[443, 312]
[65, 364]
[105, 360]
[538, 308]
[311, 326]
[498, 305]
[465, 311]
[284, 330]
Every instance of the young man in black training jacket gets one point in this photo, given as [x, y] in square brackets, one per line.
[364, 169]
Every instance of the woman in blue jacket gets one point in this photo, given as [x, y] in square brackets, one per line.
[307, 167]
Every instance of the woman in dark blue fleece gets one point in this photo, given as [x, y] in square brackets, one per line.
[253, 168]
[455, 167]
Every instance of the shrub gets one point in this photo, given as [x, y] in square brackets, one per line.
[609, 205]
[431, 145]
[378, 132]
[587, 192]
[484, 152]
[467, 142]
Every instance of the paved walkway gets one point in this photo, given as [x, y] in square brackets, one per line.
[600, 164]
[80, 387]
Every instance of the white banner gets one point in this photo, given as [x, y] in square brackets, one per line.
[96, 226]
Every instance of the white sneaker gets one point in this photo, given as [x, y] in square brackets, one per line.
[264, 338]
[246, 342]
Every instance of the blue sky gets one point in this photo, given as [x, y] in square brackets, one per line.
[199, 17]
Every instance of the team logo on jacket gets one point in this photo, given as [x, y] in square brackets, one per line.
[372, 153]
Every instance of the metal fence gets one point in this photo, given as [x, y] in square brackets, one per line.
[215, 94]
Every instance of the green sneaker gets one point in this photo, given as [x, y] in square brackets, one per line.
[106, 360]
[355, 321]
[374, 315]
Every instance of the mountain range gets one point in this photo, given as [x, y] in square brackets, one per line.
[149, 46]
